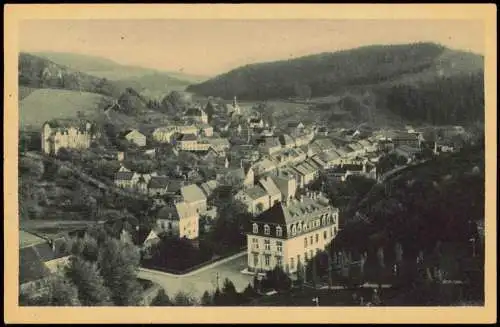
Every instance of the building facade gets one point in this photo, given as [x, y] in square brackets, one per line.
[290, 233]
[55, 137]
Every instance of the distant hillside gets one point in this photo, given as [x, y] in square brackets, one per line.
[37, 72]
[152, 81]
[376, 69]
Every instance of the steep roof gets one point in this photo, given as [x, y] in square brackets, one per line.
[188, 137]
[158, 182]
[294, 211]
[305, 168]
[255, 192]
[124, 175]
[193, 193]
[31, 267]
[208, 187]
[269, 186]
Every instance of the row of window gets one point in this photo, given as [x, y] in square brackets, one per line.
[267, 245]
[279, 259]
[333, 231]
[297, 228]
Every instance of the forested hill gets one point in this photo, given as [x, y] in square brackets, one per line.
[37, 72]
[325, 73]
[421, 81]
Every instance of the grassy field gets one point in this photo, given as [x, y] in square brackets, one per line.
[44, 104]
[24, 91]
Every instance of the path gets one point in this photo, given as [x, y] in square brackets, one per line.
[203, 279]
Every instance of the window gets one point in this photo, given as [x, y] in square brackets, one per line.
[279, 231]
[317, 237]
[298, 258]
[325, 234]
[266, 260]
[299, 228]
[323, 221]
[305, 255]
[311, 239]
[267, 230]
[294, 230]
[279, 261]
[331, 232]
[311, 254]
[255, 228]
[279, 246]
[334, 230]
[255, 243]
[292, 263]
[169, 225]
[255, 260]
[305, 227]
[305, 242]
[267, 245]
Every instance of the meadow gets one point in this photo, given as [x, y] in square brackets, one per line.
[41, 105]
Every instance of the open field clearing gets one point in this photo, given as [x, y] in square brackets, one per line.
[45, 104]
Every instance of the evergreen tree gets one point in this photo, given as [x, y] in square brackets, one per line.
[118, 263]
[207, 299]
[90, 285]
[161, 299]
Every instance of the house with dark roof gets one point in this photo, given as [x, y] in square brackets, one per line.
[307, 172]
[269, 145]
[291, 232]
[38, 261]
[158, 185]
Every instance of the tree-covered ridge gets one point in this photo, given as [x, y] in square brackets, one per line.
[455, 99]
[38, 72]
[439, 201]
[323, 73]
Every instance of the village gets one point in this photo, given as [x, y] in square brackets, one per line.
[268, 169]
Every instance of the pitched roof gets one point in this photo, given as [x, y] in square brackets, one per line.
[188, 137]
[286, 139]
[31, 267]
[208, 187]
[255, 192]
[294, 211]
[27, 239]
[133, 133]
[305, 168]
[158, 182]
[193, 193]
[194, 112]
[124, 175]
[269, 186]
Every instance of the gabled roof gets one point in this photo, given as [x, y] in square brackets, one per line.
[31, 267]
[188, 137]
[305, 168]
[208, 187]
[193, 193]
[286, 140]
[133, 133]
[124, 175]
[269, 186]
[255, 192]
[194, 112]
[158, 182]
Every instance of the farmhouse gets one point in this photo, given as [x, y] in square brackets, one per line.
[135, 137]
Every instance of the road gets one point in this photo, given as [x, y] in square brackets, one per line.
[204, 279]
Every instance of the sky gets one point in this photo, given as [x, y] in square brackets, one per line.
[211, 47]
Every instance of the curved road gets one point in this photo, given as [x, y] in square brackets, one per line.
[204, 279]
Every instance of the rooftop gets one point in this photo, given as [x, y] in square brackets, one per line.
[193, 193]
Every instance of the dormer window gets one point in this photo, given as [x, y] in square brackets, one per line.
[294, 230]
[255, 228]
[279, 231]
[299, 228]
[267, 230]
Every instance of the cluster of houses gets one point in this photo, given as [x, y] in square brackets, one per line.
[63, 134]
[290, 223]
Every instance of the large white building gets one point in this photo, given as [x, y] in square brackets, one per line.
[291, 232]
[64, 135]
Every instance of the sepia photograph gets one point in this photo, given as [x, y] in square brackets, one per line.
[250, 162]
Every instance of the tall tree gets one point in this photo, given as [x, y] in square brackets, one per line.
[118, 263]
[89, 283]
